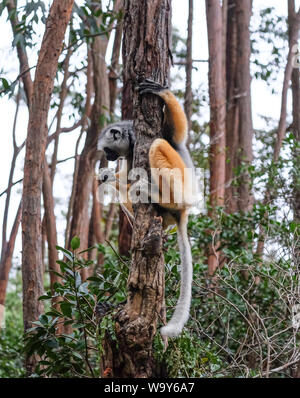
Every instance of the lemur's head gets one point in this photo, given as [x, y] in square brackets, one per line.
[116, 140]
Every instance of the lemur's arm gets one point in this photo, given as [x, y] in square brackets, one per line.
[175, 118]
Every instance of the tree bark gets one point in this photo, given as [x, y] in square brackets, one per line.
[296, 131]
[146, 45]
[239, 129]
[85, 176]
[87, 113]
[125, 229]
[8, 245]
[217, 118]
[244, 11]
[50, 224]
[6, 261]
[188, 97]
[32, 272]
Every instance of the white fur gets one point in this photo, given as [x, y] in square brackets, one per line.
[182, 310]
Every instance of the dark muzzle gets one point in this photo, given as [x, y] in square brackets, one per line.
[110, 154]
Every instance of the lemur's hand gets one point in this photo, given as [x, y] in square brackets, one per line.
[106, 175]
[150, 86]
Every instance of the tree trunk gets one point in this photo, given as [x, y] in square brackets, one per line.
[296, 118]
[188, 97]
[50, 224]
[85, 176]
[125, 229]
[6, 261]
[32, 272]
[296, 131]
[146, 45]
[239, 129]
[245, 131]
[232, 114]
[87, 113]
[8, 245]
[217, 118]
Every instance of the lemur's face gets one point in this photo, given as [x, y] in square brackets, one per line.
[114, 140]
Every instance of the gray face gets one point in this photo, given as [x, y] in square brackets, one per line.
[115, 140]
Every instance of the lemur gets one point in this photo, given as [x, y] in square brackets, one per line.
[165, 155]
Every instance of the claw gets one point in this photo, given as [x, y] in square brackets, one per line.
[150, 86]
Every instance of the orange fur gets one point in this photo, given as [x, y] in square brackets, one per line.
[162, 156]
[175, 116]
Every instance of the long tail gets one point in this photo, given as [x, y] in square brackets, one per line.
[181, 313]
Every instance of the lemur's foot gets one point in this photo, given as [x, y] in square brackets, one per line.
[150, 86]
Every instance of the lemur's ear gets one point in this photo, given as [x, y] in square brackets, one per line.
[115, 133]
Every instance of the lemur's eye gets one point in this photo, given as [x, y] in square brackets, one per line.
[115, 133]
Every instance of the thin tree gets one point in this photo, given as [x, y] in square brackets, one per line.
[239, 129]
[217, 119]
[188, 95]
[83, 186]
[296, 118]
[32, 272]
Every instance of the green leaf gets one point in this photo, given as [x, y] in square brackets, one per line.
[5, 83]
[75, 243]
[67, 253]
[77, 279]
[66, 309]
[44, 298]
[54, 312]
[77, 355]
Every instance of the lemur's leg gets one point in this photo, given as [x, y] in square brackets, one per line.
[119, 183]
[167, 170]
[175, 118]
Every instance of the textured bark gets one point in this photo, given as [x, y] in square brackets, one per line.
[232, 114]
[96, 234]
[62, 98]
[239, 129]
[50, 226]
[294, 26]
[217, 117]
[145, 54]
[296, 131]
[188, 97]
[85, 176]
[125, 234]
[296, 119]
[32, 272]
[125, 229]
[244, 10]
[87, 112]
